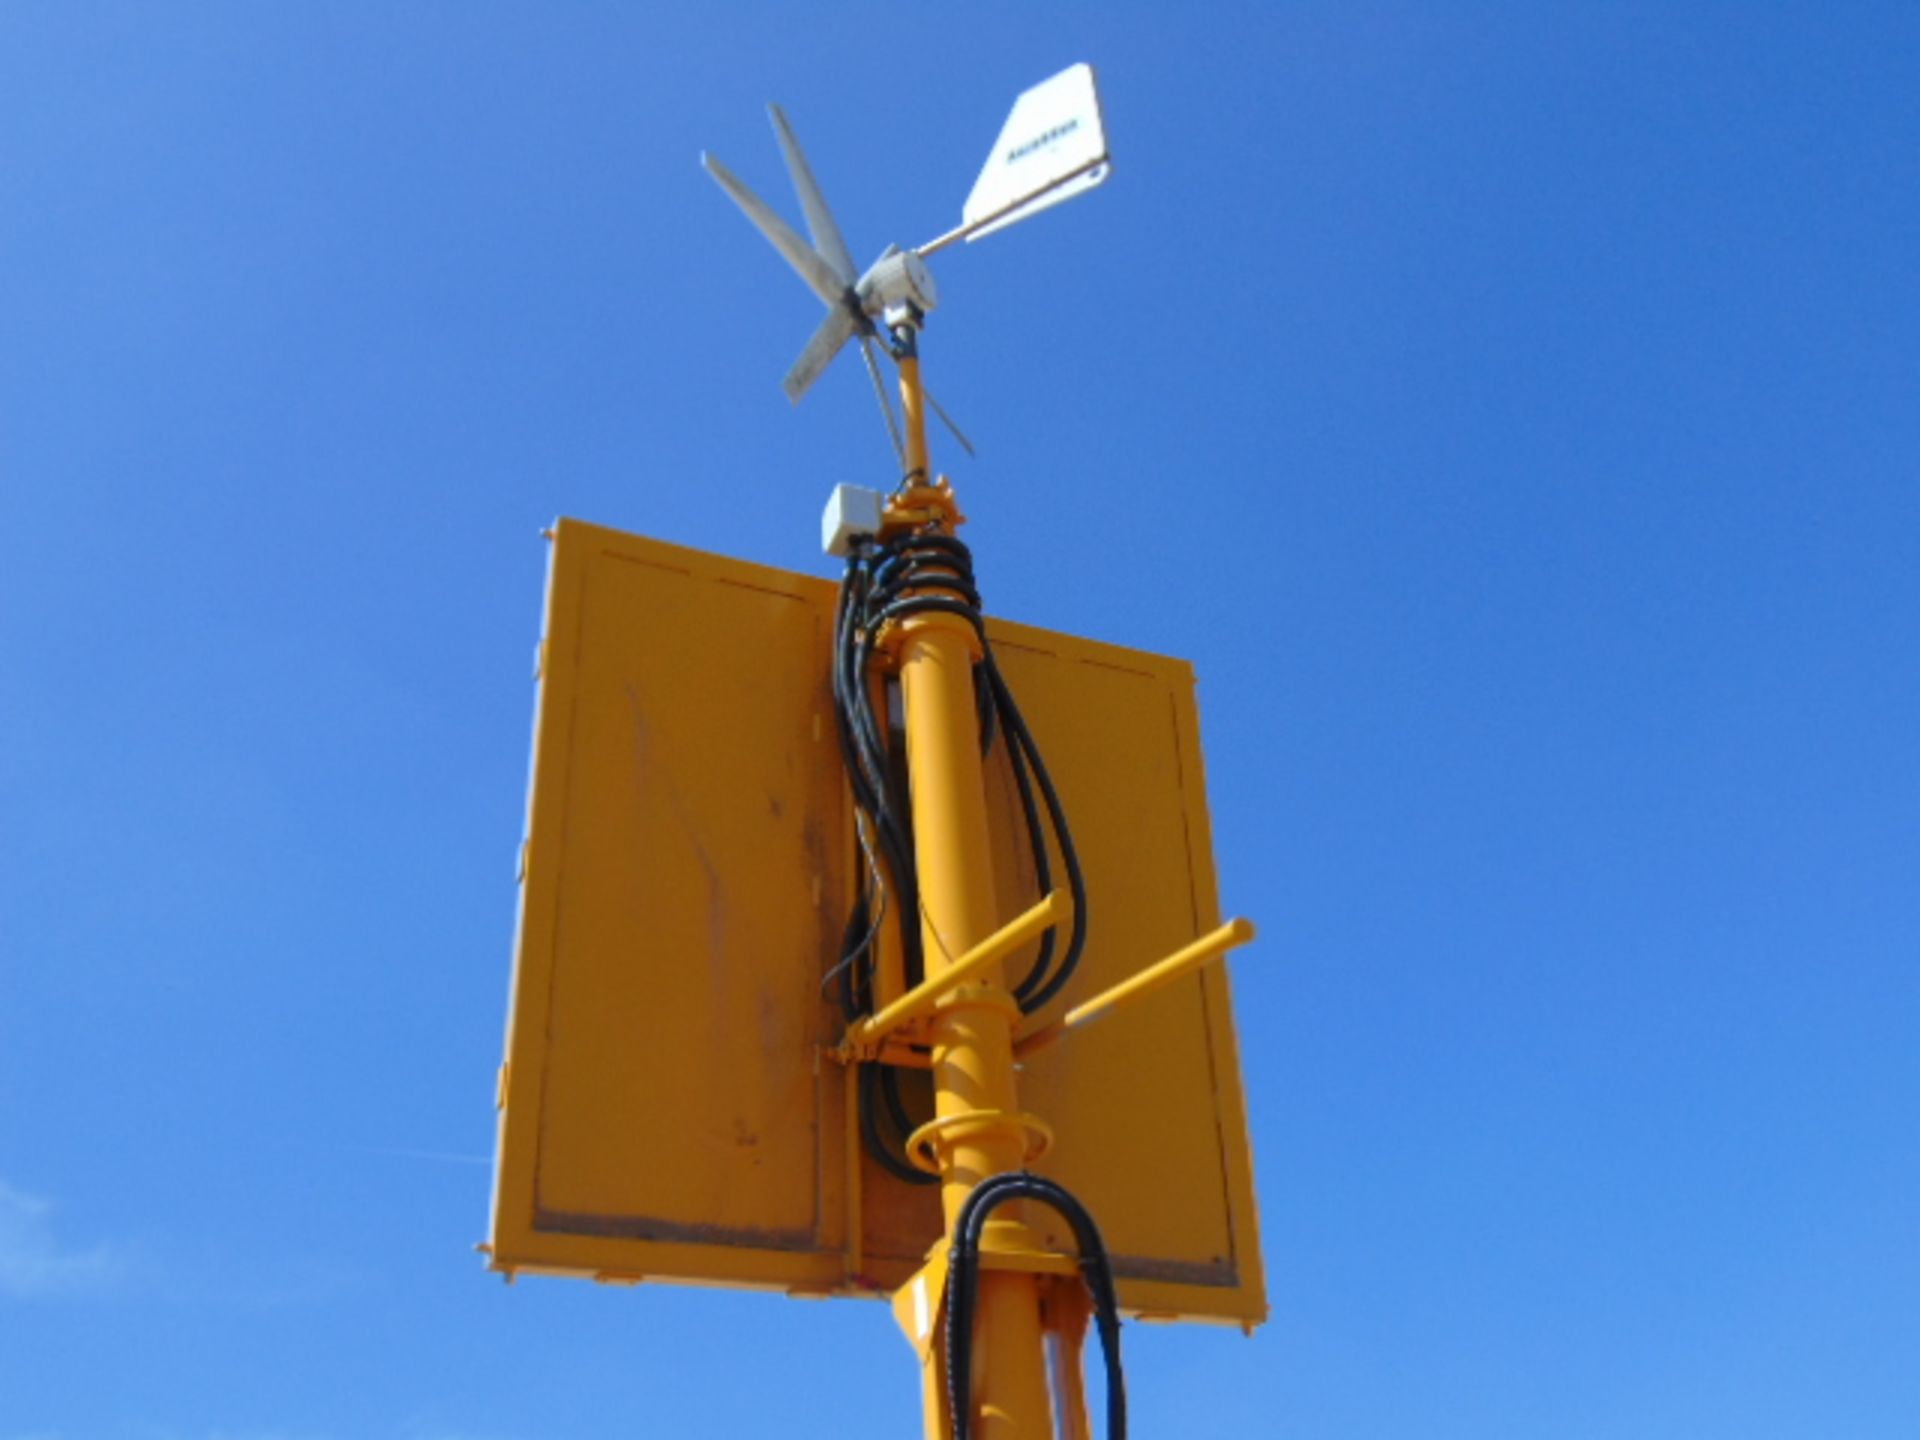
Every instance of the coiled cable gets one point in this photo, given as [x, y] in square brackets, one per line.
[885, 583]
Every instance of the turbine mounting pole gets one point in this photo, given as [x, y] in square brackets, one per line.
[979, 1129]
[905, 332]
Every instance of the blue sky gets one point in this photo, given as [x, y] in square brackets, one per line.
[1511, 411]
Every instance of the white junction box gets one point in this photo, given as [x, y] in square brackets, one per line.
[851, 510]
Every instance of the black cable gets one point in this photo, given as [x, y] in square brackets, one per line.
[887, 1154]
[879, 792]
[963, 1280]
[1039, 987]
[895, 1101]
[863, 748]
[932, 573]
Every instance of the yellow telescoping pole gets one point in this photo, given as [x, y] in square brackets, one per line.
[913, 405]
[972, 1032]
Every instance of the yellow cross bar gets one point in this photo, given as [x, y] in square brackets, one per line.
[922, 999]
[1205, 950]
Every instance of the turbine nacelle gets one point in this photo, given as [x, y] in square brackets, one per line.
[898, 287]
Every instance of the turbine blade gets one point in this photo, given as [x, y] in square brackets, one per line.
[860, 291]
[947, 420]
[834, 331]
[886, 405]
[815, 271]
[826, 234]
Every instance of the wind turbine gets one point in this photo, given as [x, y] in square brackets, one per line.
[1052, 147]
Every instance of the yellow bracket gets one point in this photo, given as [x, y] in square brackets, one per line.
[919, 1305]
[1031, 1262]
[1204, 951]
[863, 1040]
[927, 503]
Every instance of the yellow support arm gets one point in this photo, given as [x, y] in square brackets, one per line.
[921, 1000]
[1204, 951]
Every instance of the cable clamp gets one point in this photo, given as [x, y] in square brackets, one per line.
[923, 1146]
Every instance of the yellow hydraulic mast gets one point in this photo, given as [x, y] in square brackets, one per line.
[1013, 1306]
[978, 1130]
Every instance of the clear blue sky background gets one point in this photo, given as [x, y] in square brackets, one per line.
[1510, 409]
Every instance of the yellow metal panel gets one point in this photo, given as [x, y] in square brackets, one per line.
[683, 881]
[1146, 1105]
[667, 1112]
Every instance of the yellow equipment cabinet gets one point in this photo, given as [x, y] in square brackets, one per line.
[671, 1107]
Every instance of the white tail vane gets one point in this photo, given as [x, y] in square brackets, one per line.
[1052, 147]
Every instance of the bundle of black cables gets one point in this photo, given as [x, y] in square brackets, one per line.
[963, 1281]
[886, 582]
